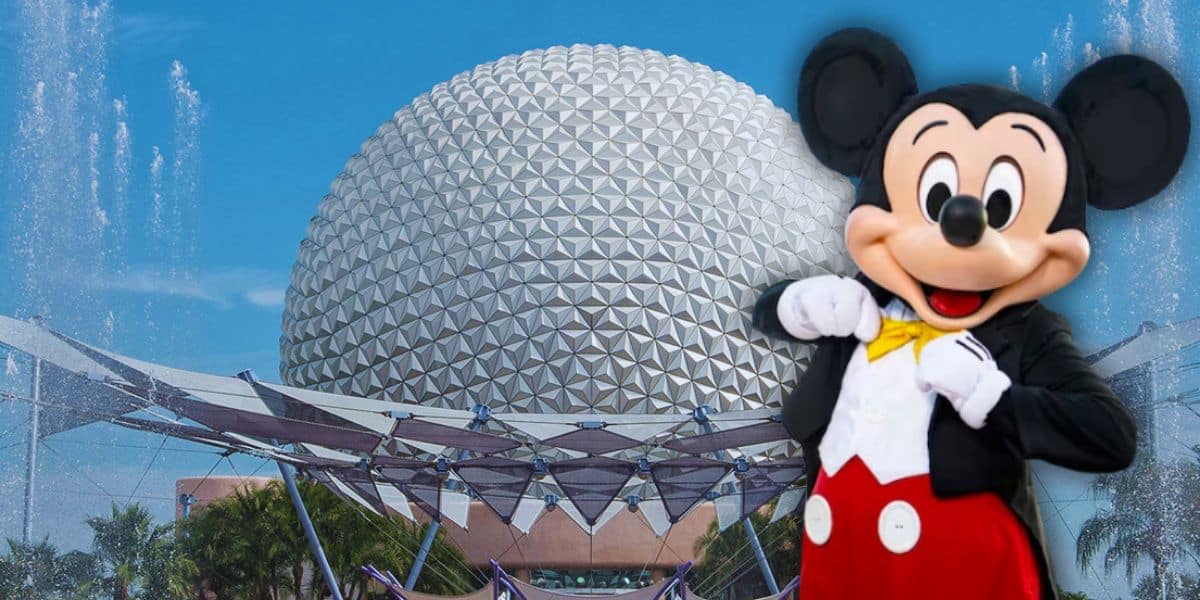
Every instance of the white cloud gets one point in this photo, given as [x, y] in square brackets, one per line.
[155, 282]
[222, 287]
[268, 297]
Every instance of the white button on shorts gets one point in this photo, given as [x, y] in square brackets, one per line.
[818, 519]
[899, 526]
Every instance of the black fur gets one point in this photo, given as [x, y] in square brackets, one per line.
[765, 317]
[850, 86]
[1132, 120]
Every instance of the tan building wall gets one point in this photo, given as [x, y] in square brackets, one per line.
[208, 489]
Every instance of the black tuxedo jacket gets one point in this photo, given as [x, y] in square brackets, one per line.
[1057, 410]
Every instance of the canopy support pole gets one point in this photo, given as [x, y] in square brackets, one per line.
[701, 416]
[31, 453]
[481, 415]
[760, 556]
[310, 532]
[422, 554]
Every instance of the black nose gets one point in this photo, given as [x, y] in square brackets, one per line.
[963, 220]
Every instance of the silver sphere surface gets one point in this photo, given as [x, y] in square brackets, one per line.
[571, 230]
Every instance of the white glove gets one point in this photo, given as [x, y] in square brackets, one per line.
[828, 305]
[959, 367]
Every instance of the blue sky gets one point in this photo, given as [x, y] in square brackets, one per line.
[288, 92]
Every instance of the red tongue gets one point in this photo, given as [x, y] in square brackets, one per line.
[955, 304]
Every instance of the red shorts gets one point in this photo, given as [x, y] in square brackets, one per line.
[899, 541]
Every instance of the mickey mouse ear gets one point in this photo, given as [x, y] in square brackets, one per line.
[1131, 119]
[851, 84]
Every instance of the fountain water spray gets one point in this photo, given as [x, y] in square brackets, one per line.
[59, 223]
[184, 174]
[122, 156]
[70, 243]
[1132, 289]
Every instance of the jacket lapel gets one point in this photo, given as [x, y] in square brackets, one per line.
[995, 334]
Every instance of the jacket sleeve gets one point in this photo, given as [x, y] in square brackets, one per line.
[1061, 411]
[766, 313]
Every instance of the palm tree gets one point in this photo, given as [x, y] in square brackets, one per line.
[209, 540]
[169, 572]
[1154, 518]
[251, 546]
[123, 543]
[236, 547]
[36, 571]
[291, 537]
[728, 565]
[80, 575]
[269, 554]
[28, 570]
[1177, 587]
[353, 537]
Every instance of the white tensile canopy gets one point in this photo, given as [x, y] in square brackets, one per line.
[389, 456]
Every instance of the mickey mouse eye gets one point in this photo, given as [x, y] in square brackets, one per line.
[1002, 194]
[939, 181]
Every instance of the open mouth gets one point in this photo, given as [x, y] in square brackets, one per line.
[954, 304]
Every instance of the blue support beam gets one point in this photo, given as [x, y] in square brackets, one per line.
[186, 501]
[310, 532]
[701, 416]
[760, 556]
[422, 555]
[31, 453]
[482, 414]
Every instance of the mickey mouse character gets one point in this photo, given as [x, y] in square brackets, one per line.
[938, 375]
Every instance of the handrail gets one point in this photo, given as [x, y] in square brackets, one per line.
[394, 592]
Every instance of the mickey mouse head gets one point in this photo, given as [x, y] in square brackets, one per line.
[972, 197]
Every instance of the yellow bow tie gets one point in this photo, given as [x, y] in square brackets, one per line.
[894, 334]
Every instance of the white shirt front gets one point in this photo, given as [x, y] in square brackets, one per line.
[881, 416]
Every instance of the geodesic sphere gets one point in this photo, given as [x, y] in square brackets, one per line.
[569, 230]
